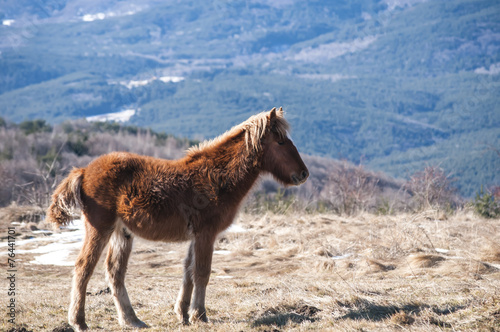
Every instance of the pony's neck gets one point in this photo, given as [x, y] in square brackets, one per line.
[229, 167]
[235, 165]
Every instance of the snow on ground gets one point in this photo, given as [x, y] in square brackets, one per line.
[56, 252]
[171, 79]
[135, 84]
[236, 228]
[122, 116]
[102, 16]
[165, 79]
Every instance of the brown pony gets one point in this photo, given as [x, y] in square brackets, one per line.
[193, 198]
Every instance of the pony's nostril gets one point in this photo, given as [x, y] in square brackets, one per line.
[300, 178]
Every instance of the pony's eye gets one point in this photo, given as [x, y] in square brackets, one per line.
[281, 142]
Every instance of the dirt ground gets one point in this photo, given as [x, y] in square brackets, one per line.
[415, 272]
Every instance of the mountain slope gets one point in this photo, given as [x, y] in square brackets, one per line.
[395, 84]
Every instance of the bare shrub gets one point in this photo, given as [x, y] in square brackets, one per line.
[431, 188]
[37, 191]
[351, 188]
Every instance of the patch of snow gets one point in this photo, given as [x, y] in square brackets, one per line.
[222, 252]
[165, 79]
[102, 16]
[135, 84]
[224, 277]
[235, 228]
[442, 251]
[342, 256]
[42, 231]
[121, 116]
[75, 236]
[171, 79]
[493, 70]
[57, 252]
[8, 22]
[496, 266]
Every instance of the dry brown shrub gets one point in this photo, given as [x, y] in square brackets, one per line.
[322, 251]
[323, 265]
[402, 318]
[376, 266]
[424, 260]
[490, 252]
[21, 214]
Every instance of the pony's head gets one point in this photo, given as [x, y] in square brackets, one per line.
[261, 142]
[279, 155]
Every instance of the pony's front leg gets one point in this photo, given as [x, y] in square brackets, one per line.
[184, 298]
[203, 250]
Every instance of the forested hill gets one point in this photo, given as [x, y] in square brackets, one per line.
[396, 84]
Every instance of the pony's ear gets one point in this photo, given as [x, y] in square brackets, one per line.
[279, 113]
[272, 119]
[272, 114]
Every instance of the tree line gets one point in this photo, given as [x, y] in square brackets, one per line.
[35, 156]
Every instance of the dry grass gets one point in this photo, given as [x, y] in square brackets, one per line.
[418, 272]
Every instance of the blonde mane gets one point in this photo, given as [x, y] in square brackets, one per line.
[255, 128]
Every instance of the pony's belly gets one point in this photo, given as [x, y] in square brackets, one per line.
[170, 229]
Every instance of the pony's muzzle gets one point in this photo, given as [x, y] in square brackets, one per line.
[301, 178]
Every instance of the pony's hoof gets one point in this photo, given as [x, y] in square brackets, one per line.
[182, 314]
[132, 322]
[79, 326]
[198, 316]
[184, 320]
[138, 324]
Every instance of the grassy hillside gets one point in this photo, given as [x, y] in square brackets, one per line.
[397, 86]
[418, 272]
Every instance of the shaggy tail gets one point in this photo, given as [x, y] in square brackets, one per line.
[65, 198]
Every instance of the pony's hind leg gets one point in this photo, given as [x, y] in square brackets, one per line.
[203, 250]
[119, 250]
[184, 298]
[94, 243]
